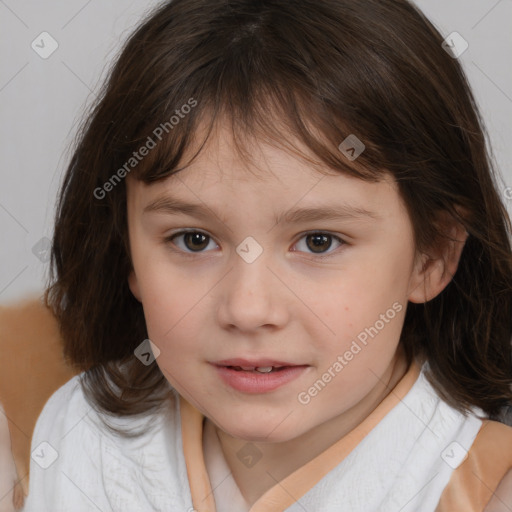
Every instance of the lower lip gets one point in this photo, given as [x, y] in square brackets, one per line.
[254, 382]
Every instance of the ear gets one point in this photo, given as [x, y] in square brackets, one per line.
[133, 283]
[433, 272]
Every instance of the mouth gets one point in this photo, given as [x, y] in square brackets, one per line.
[258, 375]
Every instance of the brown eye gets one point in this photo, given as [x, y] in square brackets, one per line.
[319, 242]
[195, 241]
[190, 241]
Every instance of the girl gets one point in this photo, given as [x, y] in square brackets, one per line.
[282, 266]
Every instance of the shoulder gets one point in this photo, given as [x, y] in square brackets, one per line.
[60, 411]
[76, 461]
[66, 399]
[483, 481]
[68, 413]
[492, 438]
[502, 496]
[60, 443]
[65, 411]
[495, 444]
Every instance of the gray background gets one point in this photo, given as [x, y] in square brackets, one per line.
[41, 101]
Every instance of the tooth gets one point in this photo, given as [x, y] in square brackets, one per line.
[264, 369]
[247, 367]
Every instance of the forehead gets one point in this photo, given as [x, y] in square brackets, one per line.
[264, 176]
[235, 155]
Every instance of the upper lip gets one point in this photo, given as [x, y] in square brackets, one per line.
[253, 363]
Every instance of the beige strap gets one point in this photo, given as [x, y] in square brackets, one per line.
[192, 436]
[474, 482]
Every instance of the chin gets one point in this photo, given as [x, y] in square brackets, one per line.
[259, 431]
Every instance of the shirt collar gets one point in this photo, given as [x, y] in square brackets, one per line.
[298, 483]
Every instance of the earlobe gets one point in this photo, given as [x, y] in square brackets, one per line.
[433, 273]
[133, 283]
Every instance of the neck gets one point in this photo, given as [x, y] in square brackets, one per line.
[279, 460]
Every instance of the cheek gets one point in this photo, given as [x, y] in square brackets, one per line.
[173, 328]
[170, 314]
[364, 307]
[359, 294]
[168, 298]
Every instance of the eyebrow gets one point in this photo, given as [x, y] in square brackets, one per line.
[173, 206]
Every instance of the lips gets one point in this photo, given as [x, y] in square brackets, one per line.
[258, 375]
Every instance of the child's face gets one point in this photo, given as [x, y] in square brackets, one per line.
[215, 298]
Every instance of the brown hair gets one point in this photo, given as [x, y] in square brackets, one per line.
[319, 70]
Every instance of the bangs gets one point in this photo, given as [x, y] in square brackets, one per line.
[277, 115]
[267, 83]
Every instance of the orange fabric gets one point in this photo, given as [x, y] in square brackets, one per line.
[31, 369]
[289, 490]
[473, 483]
[192, 436]
[502, 497]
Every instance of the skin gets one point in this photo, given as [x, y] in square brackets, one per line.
[288, 304]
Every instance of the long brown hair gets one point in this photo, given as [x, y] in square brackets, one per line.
[318, 70]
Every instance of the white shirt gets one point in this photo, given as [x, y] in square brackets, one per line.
[403, 464]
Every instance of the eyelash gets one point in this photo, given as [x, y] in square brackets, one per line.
[170, 240]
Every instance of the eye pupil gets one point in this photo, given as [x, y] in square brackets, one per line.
[195, 238]
[319, 242]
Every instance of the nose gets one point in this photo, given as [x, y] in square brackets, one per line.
[251, 297]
